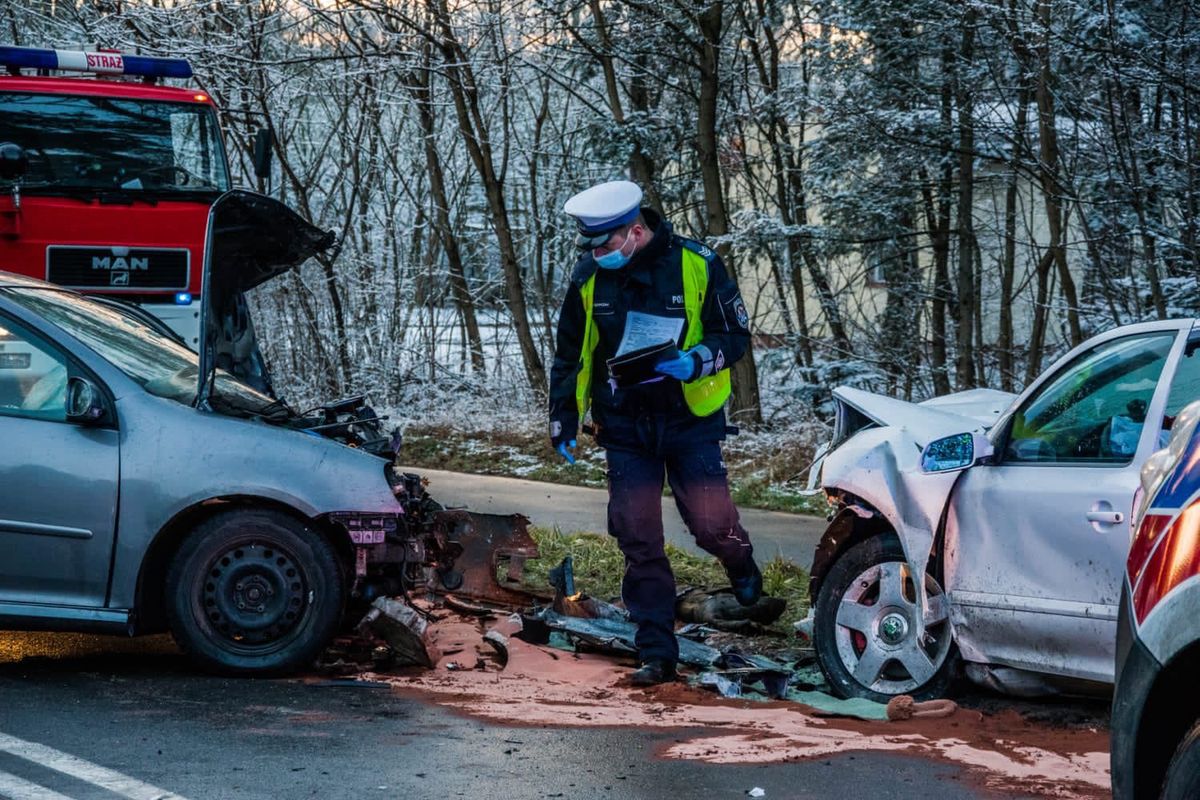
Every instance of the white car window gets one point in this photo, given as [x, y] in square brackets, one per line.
[33, 376]
[1094, 409]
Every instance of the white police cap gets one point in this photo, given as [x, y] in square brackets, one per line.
[603, 209]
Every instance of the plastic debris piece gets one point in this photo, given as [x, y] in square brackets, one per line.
[826, 705]
[618, 636]
[724, 686]
[404, 629]
[562, 577]
[804, 627]
[757, 792]
[559, 641]
[694, 630]
[750, 669]
[571, 603]
[807, 677]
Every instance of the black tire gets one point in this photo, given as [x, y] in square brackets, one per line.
[254, 592]
[1183, 773]
[837, 584]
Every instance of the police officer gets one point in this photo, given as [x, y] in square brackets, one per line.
[634, 276]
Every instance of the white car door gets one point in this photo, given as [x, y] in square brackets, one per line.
[1036, 542]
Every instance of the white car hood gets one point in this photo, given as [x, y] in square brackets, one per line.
[978, 409]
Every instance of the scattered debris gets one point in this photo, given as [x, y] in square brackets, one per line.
[904, 707]
[471, 609]
[496, 664]
[824, 704]
[498, 635]
[405, 629]
[571, 603]
[721, 610]
[804, 627]
[485, 543]
[736, 672]
[607, 634]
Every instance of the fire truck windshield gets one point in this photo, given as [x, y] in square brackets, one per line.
[84, 145]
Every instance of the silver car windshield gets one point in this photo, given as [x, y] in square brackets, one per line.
[159, 365]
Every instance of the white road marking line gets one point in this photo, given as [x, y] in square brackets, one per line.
[86, 771]
[15, 788]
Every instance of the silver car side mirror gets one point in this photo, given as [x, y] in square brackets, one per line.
[955, 452]
[85, 402]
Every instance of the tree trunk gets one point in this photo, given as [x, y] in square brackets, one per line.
[419, 85]
[472, 126]
[1005, 341]
[745, 405]
[964, 362]
[1048, 171]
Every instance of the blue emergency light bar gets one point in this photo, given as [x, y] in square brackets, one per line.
[16, 58]
[183, 298]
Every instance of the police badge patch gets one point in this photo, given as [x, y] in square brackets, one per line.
[739, 311]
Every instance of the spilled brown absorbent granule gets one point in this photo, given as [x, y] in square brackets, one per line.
[540, 686]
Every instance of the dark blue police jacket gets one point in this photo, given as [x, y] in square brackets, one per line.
[652, 283]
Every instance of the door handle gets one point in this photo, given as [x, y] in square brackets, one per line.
[1106, 517]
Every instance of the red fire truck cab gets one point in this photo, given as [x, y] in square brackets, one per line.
[106, 180]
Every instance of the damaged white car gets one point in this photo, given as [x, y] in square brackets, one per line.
[1015, 512]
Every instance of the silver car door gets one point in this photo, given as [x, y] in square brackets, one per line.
[1036, 543]
[58, 483]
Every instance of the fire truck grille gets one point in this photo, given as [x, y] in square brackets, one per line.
[117, 269]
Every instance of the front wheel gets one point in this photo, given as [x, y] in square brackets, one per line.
[1183, 774]
[865, 634]
[254, 592]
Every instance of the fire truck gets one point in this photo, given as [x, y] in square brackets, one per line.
[107, 177]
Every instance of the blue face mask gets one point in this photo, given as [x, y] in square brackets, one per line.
[614, 260]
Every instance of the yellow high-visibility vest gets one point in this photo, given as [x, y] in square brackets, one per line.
[704, 396]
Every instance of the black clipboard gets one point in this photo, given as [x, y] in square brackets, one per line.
[637, 366]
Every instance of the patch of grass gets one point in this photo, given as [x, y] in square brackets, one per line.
[599, 566]
[758, 493]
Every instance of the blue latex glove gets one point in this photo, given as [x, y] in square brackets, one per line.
[564, 450]
[680, 367]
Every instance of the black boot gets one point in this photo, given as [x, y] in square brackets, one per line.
[747, 583]
[653, 672]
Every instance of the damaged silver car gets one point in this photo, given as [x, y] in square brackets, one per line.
[989, 531]
[146, 487]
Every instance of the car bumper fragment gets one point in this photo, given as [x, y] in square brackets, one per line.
[479, 557]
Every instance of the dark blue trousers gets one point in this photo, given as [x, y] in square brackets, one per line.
[696, 473]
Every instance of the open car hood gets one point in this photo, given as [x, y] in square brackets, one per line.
[252, 238]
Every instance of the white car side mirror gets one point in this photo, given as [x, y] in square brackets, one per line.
[955, 452]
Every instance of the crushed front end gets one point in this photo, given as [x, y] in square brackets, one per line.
[424, 548]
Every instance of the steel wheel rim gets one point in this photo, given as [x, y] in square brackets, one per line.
[875, 630]
[254, 595]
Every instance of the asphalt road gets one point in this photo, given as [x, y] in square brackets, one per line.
[90, 718]
[575, 508]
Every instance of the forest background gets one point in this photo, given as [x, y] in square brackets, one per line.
[916, 196]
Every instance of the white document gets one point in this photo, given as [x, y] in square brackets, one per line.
[644, 330]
